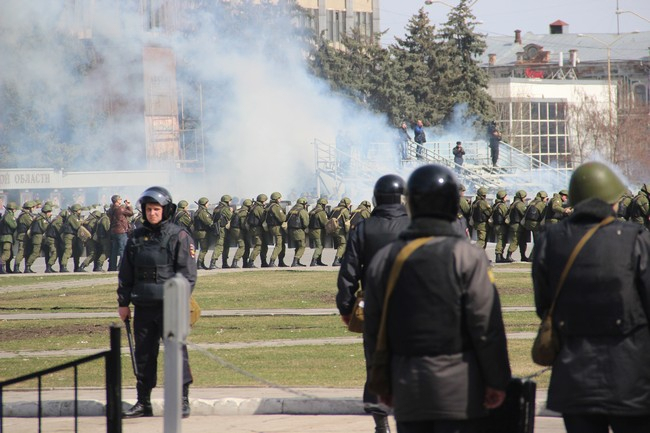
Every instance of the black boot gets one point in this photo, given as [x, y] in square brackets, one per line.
[224, 264]
[49, 270]
[271, 264]
[28, 270]
[499, 258]
[81, 268]
[17, 268]
[294, 263]
[381, 423]
[8, 268]
[508, 258]
[186, 401]
[313, 262]
[141, 408]
[337, 262]
[235, 265]
[264, 263]
[213, 265]
[2, 269]
[202, 265]
[63, 268]
[251, 264]
[282, 264]
[319, 262]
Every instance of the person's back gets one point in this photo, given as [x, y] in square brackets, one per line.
[601, 376]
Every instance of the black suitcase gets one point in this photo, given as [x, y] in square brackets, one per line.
[517, 413]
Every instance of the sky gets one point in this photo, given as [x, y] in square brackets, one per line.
[503, 17]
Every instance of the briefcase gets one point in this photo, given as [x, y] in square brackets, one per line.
[517, 413]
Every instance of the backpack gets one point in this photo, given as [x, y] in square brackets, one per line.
[357, 217]
[332, 225]
[532, 213]
[252, 220]
[294, 221]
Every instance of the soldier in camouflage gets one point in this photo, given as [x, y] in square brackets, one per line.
[517, 234]
[557, 208]
[23, 223]
[360, 213]
[102, 238]
[183, 217]
[240, 234]
[297, 224]
[202, 225]
[37, 231]
[498, 218]
[535, 213]
[92, 245]
[317, 221]
[275, 220]
[640, 207]
[68, 233]
[53, 241]
[221, 216]
[481, 212]
[8, 227]
[340, 238]
[254, 221]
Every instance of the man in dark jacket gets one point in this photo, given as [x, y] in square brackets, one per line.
[449, 357]
[601, 376]
[156, 252]
[387, 220]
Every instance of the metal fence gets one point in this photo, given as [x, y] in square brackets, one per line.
[113, 384]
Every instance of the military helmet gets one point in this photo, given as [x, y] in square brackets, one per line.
[46, 208]
[366, 203]
[276, 196]
[322, 201]
[183, 204]
[564, 192]
[542, 194]
[501, 194]
[28, 204]
[226, 198]
[345, 201]
[96, 214]
[262, 198]
[75, 207]
[432, 191]
[302, 201]
[12, 205]
[482, 191]
[521, 194]
[159, 195]
[203, 201]
[595, 180]
[248, 202]
[461, 187]
[389, 189]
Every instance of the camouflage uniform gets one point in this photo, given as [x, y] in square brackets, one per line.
[517, 234]
[556, 209]
[92, 245]
[53, 240]
[535, 213]
[359, 214]
[297, 223]
[23, 222]
[275, 218]
[68, 234]
[239, 232]
[7, 230]
[481, 212]
[254, 221]
[183, 217]
[340, 238]
[102, 238]
[624, 204]
[640, 207]
[37, 231]
[317, 221]
[202, 224]
[498, 218]
[221, 219]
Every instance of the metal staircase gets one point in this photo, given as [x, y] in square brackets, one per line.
[345, 171]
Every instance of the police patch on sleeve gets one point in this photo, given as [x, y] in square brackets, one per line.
[192, 250]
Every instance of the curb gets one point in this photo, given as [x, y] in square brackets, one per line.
[210, 407]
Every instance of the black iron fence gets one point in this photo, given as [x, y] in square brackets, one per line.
[113, 384]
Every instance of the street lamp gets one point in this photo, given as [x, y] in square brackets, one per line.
[609, 72]
[619, 11]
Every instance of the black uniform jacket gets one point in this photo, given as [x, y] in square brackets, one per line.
[381, 228]
[601, 313]
[151, 257]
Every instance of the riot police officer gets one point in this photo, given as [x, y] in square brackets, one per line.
[156, 252]
[382, 227]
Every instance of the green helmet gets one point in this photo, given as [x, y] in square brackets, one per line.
[226, 198]
[29, 204]
[248, 202]
[521, 194]
[302, 201]
[276, 196]
[203, 201]
[12, 205]
[96, 214]
[461, 187]
[345, 202]
[75, 207]
[322, 201]
[542, 194]
[183, 204]
[365, 203]
[46, 208]
[595, 180]
[262, 198]
[564, 192]
[482, 191]
[501, 194]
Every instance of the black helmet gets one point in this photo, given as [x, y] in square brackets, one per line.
[432, 191]
[389, 189]
[159, 195]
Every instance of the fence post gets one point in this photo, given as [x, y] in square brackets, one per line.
[114, 383]
[176, 326]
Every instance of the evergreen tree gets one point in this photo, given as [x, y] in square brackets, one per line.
[464, 80]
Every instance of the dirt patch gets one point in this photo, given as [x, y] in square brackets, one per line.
[30, 333]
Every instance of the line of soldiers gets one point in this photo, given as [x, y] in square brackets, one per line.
[517, 221]
[261, 222]
[35, 231]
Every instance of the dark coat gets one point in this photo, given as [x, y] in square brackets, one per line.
[604, 362]
[445, 329]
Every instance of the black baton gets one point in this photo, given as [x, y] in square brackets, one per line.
[129, 336]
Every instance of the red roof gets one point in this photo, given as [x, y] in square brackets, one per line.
[559, 23]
